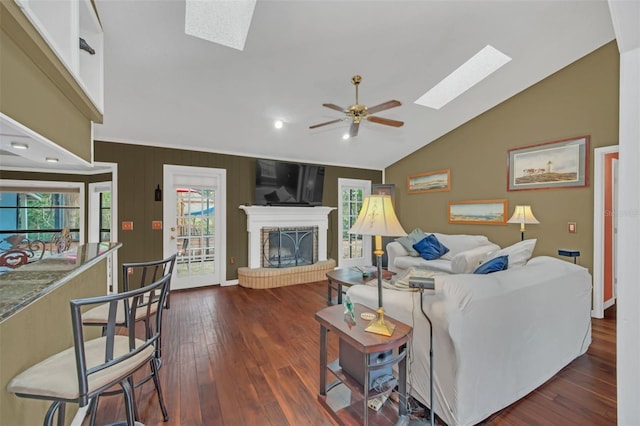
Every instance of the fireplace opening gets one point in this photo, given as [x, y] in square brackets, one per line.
[288, 247]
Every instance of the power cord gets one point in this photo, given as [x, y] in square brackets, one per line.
[431, 407]
[380, 383]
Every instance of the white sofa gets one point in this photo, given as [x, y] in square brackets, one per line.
[497, 337]
[465, 253]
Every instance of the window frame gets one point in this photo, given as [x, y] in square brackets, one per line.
[17, 185]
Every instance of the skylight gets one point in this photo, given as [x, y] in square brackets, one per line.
[480, 66]
[223, 22]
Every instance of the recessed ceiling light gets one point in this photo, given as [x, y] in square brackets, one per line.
[278, 124]
[222, 22]
[345, 136]
[476, 69]
[52, 160]
[19, 145]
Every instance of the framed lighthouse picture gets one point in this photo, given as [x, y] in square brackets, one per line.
[558, 164]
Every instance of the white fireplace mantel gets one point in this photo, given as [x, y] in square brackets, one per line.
[259, 217]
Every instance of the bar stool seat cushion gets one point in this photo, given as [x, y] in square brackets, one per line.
[56, 377]
[99, 314]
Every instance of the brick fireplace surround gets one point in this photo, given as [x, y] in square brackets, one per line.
[259, 217]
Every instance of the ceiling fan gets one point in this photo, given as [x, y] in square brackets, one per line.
[358, 112]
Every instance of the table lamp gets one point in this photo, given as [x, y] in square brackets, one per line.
[378, 219]
[522, 215]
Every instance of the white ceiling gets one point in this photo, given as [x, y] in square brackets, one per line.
[165, 88]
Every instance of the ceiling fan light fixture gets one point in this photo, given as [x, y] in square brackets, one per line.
[358, 112]
[477, 68]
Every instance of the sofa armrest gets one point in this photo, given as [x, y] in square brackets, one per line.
[394, 249]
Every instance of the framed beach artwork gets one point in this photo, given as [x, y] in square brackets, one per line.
[558, 164]
[479, 212]
[439, 180]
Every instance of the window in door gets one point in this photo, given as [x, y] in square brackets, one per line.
[353, 249]
[105, 216]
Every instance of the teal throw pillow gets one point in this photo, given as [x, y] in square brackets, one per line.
[430, 248]
[496, 264]
[408, 241]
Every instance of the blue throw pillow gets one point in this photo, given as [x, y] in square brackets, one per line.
[430, 248]
[496, 264]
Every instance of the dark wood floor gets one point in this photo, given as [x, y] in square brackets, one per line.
[235, 356]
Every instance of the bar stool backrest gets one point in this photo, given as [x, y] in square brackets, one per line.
[117, 362]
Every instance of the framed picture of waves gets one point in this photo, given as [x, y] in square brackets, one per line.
[559, 164]
[439, 180]
[478, 212]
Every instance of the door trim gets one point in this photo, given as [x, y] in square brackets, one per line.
[221, 227]
[365, 185]
[598, 228]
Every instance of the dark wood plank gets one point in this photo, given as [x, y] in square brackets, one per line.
[236, 356]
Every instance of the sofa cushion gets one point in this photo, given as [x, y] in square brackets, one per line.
[430, 248]
[408, 241]
[439, 265]
[519, 253]
[494, 265]
[467, 261]
[460, 242]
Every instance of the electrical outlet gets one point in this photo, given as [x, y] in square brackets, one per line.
[571, 226]
[232, 260]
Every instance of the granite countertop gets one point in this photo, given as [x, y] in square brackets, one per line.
[25, 284]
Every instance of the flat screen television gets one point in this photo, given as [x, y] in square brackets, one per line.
[282, 184]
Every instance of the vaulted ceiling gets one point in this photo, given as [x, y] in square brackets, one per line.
[166, 88]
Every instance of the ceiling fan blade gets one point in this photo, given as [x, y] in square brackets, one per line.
[353, 130]
[334, 106]
[385, 121]
[383, 106]
[324, 124]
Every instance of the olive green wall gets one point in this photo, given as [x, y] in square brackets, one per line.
[36, 89]
[581, 99]
[140, 170]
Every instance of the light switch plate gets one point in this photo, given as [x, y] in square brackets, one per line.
[571, 226]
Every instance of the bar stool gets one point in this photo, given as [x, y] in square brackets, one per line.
[144, 273]
[83, 371]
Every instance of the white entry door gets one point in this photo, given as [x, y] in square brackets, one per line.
[195, 224]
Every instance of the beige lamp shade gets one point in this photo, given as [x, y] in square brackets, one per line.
[523, 215]
[377, 217]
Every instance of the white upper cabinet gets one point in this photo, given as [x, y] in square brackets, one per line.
[62, 23]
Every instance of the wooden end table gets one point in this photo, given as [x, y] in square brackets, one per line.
[347, 277]
[346, 399]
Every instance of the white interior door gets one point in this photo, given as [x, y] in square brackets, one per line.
[195, 224]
